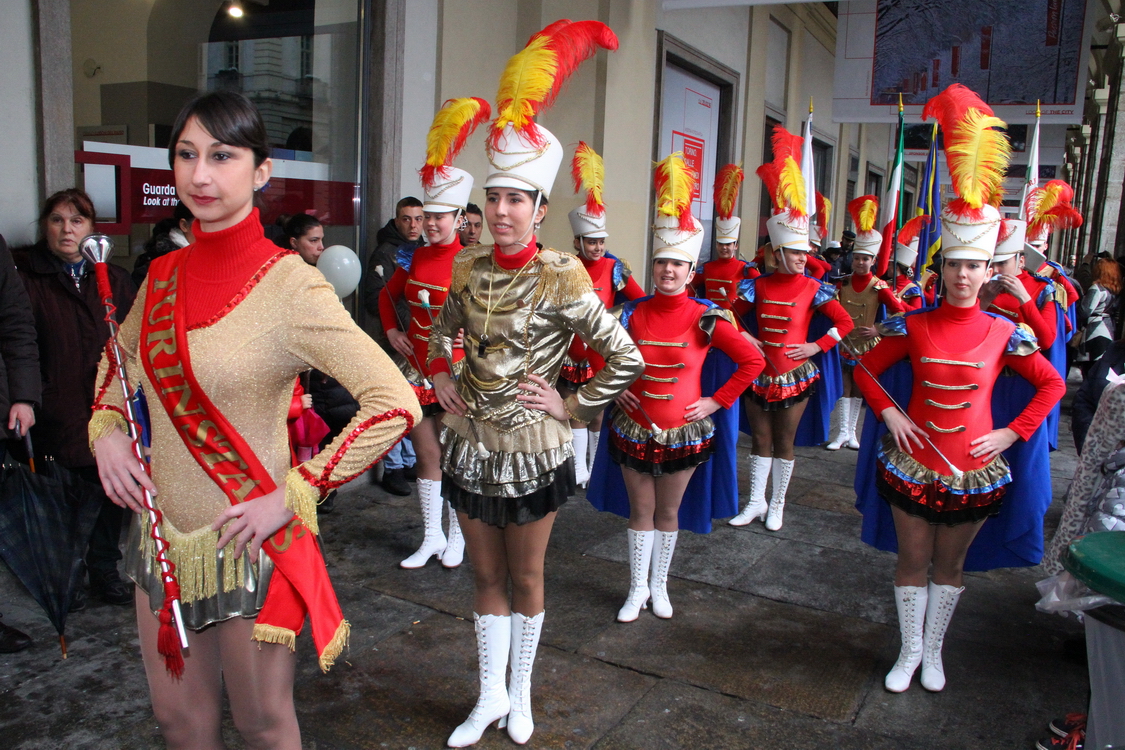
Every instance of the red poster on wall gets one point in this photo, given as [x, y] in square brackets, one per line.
[692, 149]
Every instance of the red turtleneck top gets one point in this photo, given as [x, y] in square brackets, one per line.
[221, 264]
[666, 330]
[783, 305]
[601, 276]
[1042, 321]
[431, 268]
[717, 276]
[956, 354]
[909, 293]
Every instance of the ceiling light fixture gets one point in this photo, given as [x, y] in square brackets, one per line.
[235, 10]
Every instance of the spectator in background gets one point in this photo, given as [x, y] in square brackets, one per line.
[1090, 392]
[1099, 310]
[847, 242]
[20, 388]
[405, 228]
[71, 336]
[167, 235]
[471, 229]
[834, 256]
[305, 234]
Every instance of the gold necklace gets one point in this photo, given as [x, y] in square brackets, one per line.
[482, 345]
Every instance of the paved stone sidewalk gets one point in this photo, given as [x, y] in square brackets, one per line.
[778, 641]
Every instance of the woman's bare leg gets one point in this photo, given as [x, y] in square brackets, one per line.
[915, 548]
[259, 681]
[669, 495]
[642, 499]
[427, 447]
[488, 554]
[783, 431]
[188, 711]
[850, 389]
[527, 547]
[951, 545]
[761, 429]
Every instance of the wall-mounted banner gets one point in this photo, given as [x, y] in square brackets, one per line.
[1010, 52]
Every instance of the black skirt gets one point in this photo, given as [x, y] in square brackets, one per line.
[500, 511]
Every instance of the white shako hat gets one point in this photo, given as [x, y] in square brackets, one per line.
[583, 224]
[906, 241]
[789, 229]
[516, 162]
[1033, 258]
[446, 188]
[588, 169]
[676, 234]
[726, 230]
[1010, 240]
[449, 192]
[970, 225]
[784, 184]
[814, 236]
[864, 211]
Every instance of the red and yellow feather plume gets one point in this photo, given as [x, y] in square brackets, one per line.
[675, 189]
[587, 168]
[727, 184]
[452, 126]
[864, 211]
[1050, 207]
[977, 153]
[823, 212]
[911, 229]
[782, 177]
[533, 77]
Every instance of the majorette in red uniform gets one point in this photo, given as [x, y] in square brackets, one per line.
[941, 468]
[783, 304]
[423, 277]
[907, 291]
[662, 427]
[1049, 208]
[862, 294]
[717, 280]
[609, 276]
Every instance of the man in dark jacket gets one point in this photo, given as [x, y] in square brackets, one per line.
[71, 336]
[19, 383]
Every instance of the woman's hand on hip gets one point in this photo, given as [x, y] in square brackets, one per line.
[253, 522]
[401, 343]
[541, 396]
[993, 444]
[124, 478]
[446, 391]
[704, 407]
[904, 430]
[801, 351]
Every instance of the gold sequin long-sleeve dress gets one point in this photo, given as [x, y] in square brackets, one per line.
[519, 315]
[285, 321]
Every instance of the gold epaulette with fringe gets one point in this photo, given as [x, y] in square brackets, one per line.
[562, 277]
[463, 265]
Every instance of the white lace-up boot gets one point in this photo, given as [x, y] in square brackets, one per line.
[853, 422]
[595, 437]
[581, 461]
[756, 506]
[662, 550]
[525, 642]
[939, 611]
[494, 637]
[454, 552]
[782, 471]
[843, 419]
[911, 604]
[433, 540]
[640, 557]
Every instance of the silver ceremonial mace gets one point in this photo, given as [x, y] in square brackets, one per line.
[97, 248]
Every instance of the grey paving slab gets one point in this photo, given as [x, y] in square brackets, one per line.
[815, 663]
[674, 716]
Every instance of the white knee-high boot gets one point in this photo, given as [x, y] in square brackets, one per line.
[455, 542]
[525, 642]
[939, 611]
[494, 634]
[662, 550]
[640, 557]
[581, 464]
[911, 604]
[595, 436]
[782, 471]
[756, 506]
[843, 419]
[433, 540]
[853, 422]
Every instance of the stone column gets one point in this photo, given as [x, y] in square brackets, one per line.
[55, 84]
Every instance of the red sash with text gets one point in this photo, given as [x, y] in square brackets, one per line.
[300, 585]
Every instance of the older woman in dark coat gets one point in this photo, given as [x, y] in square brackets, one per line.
[71, 336]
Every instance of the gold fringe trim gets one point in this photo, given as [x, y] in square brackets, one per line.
[302, 498]
[563, 277]
[536, 437]
[978, 479]
[335, 646]
[102, 423]
[197, 561]
[274, 634]
[463, 266]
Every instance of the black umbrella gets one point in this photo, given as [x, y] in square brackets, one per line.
[46, 518]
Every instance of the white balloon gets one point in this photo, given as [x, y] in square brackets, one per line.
[340, 266]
